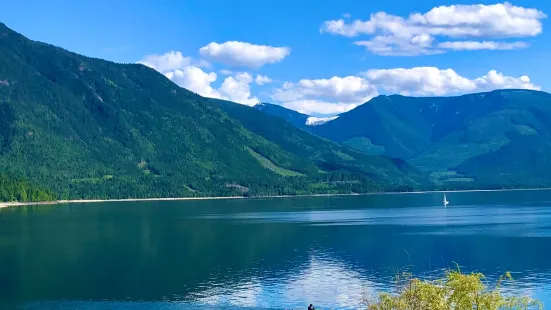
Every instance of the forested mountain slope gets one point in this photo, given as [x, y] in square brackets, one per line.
[499, 138]
[326, 154]
[88, 128]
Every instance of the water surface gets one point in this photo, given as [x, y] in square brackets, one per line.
[265, 253]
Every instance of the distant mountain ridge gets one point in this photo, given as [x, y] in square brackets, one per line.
[493, 139]
[296, 118]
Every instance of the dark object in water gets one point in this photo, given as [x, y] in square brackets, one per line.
[311, 307]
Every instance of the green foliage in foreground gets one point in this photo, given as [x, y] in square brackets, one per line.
[455, 291]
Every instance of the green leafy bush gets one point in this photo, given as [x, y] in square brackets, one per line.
[455, 291]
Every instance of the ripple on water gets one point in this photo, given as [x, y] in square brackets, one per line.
[237, 255]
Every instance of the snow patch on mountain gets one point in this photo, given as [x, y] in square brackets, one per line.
[315, 121]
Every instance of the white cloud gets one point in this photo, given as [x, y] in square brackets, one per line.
[496, 80]
[243, 54]
[186, 72]
[195, 79]
[237, 89]
[183, 71]
[497, 20]
[484, 45]
[170, 61]
[419, 81]
[400, 46]
[350, 89]
[262, 79]
[325, 96]
[415, 35]
[426, 81]
[225, 72]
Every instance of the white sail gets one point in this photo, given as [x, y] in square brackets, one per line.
[445, 200]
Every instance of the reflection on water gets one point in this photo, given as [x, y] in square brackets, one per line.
[322, 280]
[326, 282]
[265, 253]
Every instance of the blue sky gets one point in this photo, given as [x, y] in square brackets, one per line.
[317, 57]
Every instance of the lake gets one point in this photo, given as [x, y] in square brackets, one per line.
[272, 253]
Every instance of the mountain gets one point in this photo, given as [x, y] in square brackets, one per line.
[293, 117]
[327, 155]
[494, 139]
[77, 127]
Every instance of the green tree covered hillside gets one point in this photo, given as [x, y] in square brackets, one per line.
[88, 128]
[486, 140]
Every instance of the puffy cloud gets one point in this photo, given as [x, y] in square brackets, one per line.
[183, 71]
[195, 79]
[496, 80]
[484, 45]
[391, 23]
[262, 79]
[419, 81]
[414, 35]
[350, 89]
[400, 46]
[237, 89]
[425, 81]
[186, 72]
[498, 20]
[243, 54]
[170, 61]
[325, 96]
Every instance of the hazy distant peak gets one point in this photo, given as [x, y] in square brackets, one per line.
[315, 121]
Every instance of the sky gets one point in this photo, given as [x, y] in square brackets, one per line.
[319, 57]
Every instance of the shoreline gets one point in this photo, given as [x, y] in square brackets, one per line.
[55, 202]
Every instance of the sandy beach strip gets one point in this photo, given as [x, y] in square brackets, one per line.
[19, 204]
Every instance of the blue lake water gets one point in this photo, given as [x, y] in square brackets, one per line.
[265, 253]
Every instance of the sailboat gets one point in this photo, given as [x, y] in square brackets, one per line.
[445, 201]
